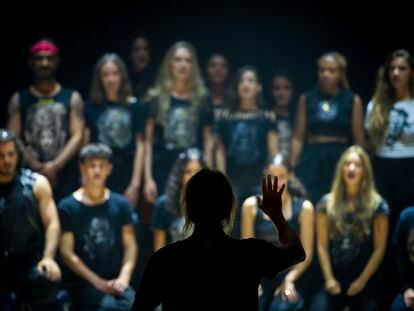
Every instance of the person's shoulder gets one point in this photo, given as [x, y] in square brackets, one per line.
[321, 206]
[118, 198]
[69, 204]
[382, 206]
[407, 213]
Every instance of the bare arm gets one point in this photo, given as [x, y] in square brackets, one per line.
[130, 253]
[306, 220]
[133, 189]
[272, 143]
[150, 188]
[249, 210]
[358, 122]
[272, 206]
[14, 122]
[160, 239]
[77, 266]
[299, 132]
[77, 124]
[380, 234]
[208, 145]
[220, 155]
[50, 220]
[331, 284]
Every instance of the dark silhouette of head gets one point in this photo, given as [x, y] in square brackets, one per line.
[208, 200]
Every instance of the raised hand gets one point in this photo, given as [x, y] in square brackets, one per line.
[272, 197]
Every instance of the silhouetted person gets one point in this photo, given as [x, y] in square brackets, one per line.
[210, 270]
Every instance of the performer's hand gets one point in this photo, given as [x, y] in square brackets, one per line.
[356, 287]
[150, 191]
[50, 269]
[272, 197]
[333, 287]
[132, 194]
[287, 291]
[118, 285]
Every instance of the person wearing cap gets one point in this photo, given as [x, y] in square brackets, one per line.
[30, 229]
[49, 119]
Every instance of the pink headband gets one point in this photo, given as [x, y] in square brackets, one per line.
[44, 46]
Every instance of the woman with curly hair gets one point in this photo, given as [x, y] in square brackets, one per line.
[168, 220]
[390, 125]
[177, 118]
[352, 230]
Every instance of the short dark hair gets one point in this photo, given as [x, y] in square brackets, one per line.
[95, 151]
[5, 137]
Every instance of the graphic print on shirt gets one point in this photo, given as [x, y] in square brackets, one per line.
[347, 248]
[114, 127]
[327, 110]
[243, 145]
[285, 135]
[398, 125]
[46, 129]
[410, 245]
[180, 130]
[98, 239]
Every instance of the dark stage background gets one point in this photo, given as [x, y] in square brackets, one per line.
[265, 36]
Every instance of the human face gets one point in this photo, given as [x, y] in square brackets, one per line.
[400, 73]
[140, 54]
[191, 168]
[44, 65]
[282, 91]
[217, 70]
[181, 64]
[8, 159]
[352, 170]
[111, 77]
[95, 171]
[329, 73]
[249, 86]
[281, 172]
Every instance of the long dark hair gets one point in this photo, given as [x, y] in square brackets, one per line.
[384, 98]
[174, 183]
[97, 93]
[5, 137]
[294, 186]
[234, 88]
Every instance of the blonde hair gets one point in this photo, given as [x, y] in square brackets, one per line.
[384, 98]
[164, 83]
[342, 63]
[367, 199]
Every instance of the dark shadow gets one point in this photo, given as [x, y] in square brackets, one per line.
[209, 270]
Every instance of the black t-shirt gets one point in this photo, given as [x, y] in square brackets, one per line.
[222, 275]
[45, 123]
[169, 221]
[403, 238]
[244, 135]
[329, 115]
[349, 255]
[97, 233]
[115, 124]
[183, 127]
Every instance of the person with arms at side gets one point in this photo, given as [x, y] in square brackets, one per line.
[98, 244]
[329, 119]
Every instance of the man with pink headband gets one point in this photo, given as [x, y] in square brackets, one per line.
[49, 120]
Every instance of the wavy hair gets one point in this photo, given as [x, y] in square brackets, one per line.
[163, 88]
[97, 92]
[384, 98]
[366, 203]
